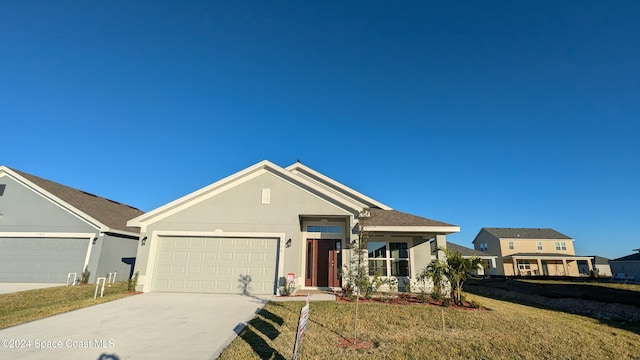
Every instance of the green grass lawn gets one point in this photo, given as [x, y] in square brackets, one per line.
[507, 331]
[24, 306]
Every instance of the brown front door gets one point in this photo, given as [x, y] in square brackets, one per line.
[322, 263]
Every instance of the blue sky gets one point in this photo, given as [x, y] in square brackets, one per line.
[491, 113]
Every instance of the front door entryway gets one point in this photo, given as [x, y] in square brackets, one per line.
[323, 261]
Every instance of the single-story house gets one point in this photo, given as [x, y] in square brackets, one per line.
[532, 252]
[264, 225]
[48, 230]
[626, 267]
[488, 266]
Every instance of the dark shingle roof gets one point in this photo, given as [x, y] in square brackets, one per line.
[111, 213]
[599, 260]
[465, 251]
[632, 257]
[379, 217]
[526, 233]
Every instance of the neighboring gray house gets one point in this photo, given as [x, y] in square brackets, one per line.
[626, 267]
[488, 260]
[254, 229]
[48, 230]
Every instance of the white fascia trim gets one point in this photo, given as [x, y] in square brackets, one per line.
[414, 229]
[228, 183]
[56, 200]
[34, 234]
[336, 185]
[153, 247]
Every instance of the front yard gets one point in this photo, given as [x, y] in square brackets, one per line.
[506, 331]
[21, 307]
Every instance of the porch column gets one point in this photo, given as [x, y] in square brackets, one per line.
[566, 269]
[539, 266]
[441, 241]
[494, 268]
[515, 266]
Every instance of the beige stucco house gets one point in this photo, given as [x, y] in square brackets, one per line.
[253, 230]
[532, 252]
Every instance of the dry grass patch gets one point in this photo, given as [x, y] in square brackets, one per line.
[507, 331]
[24, 306]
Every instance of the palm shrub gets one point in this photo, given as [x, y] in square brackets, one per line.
[454, 271]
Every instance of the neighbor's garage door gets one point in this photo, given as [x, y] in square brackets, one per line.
[41, 259]
[215, 265]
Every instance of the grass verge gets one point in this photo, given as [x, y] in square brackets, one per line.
[507, 331]
[24, 306]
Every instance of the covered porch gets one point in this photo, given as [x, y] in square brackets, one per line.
[545, 265]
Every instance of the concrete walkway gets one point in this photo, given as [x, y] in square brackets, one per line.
[6, 288]
[147, 326]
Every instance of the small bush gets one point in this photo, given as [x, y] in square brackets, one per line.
[436, 295]
[85, 276]
[446, 302]
[423, 297]
[132, 282]
[288, 288]
[476, 304]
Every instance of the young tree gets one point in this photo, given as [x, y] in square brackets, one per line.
[455, 270]
[459, 269]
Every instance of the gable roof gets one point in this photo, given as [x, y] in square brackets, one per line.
[382, 216]
[599, 260]
[465, 251]
[526, 233]
[238, 178]
[304, 171]
[110, 214]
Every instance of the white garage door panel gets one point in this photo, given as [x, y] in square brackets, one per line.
[41, 259]
[215, 265]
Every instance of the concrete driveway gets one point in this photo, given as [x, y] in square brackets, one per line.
[6, 288]
[147, 326]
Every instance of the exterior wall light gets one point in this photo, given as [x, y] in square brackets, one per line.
[143, 242]
[288, 243]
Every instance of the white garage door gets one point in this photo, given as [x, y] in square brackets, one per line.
[215, 265]
[41, 259]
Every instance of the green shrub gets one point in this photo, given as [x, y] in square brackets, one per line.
[476, 304]
[132, 282]
[446, 302]
[85, 276]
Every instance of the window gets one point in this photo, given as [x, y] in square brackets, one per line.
[561, 245]
[511, 246]
[325, 229]
[484, 247]
[524, 265]
[539, 245]
[388, 259]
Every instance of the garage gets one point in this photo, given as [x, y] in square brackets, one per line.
[28, 259]
[228, 265]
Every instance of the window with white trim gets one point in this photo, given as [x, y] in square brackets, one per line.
[388, 258]
[511, 245]
[524, 265]
[561, 245]
[539, 245]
